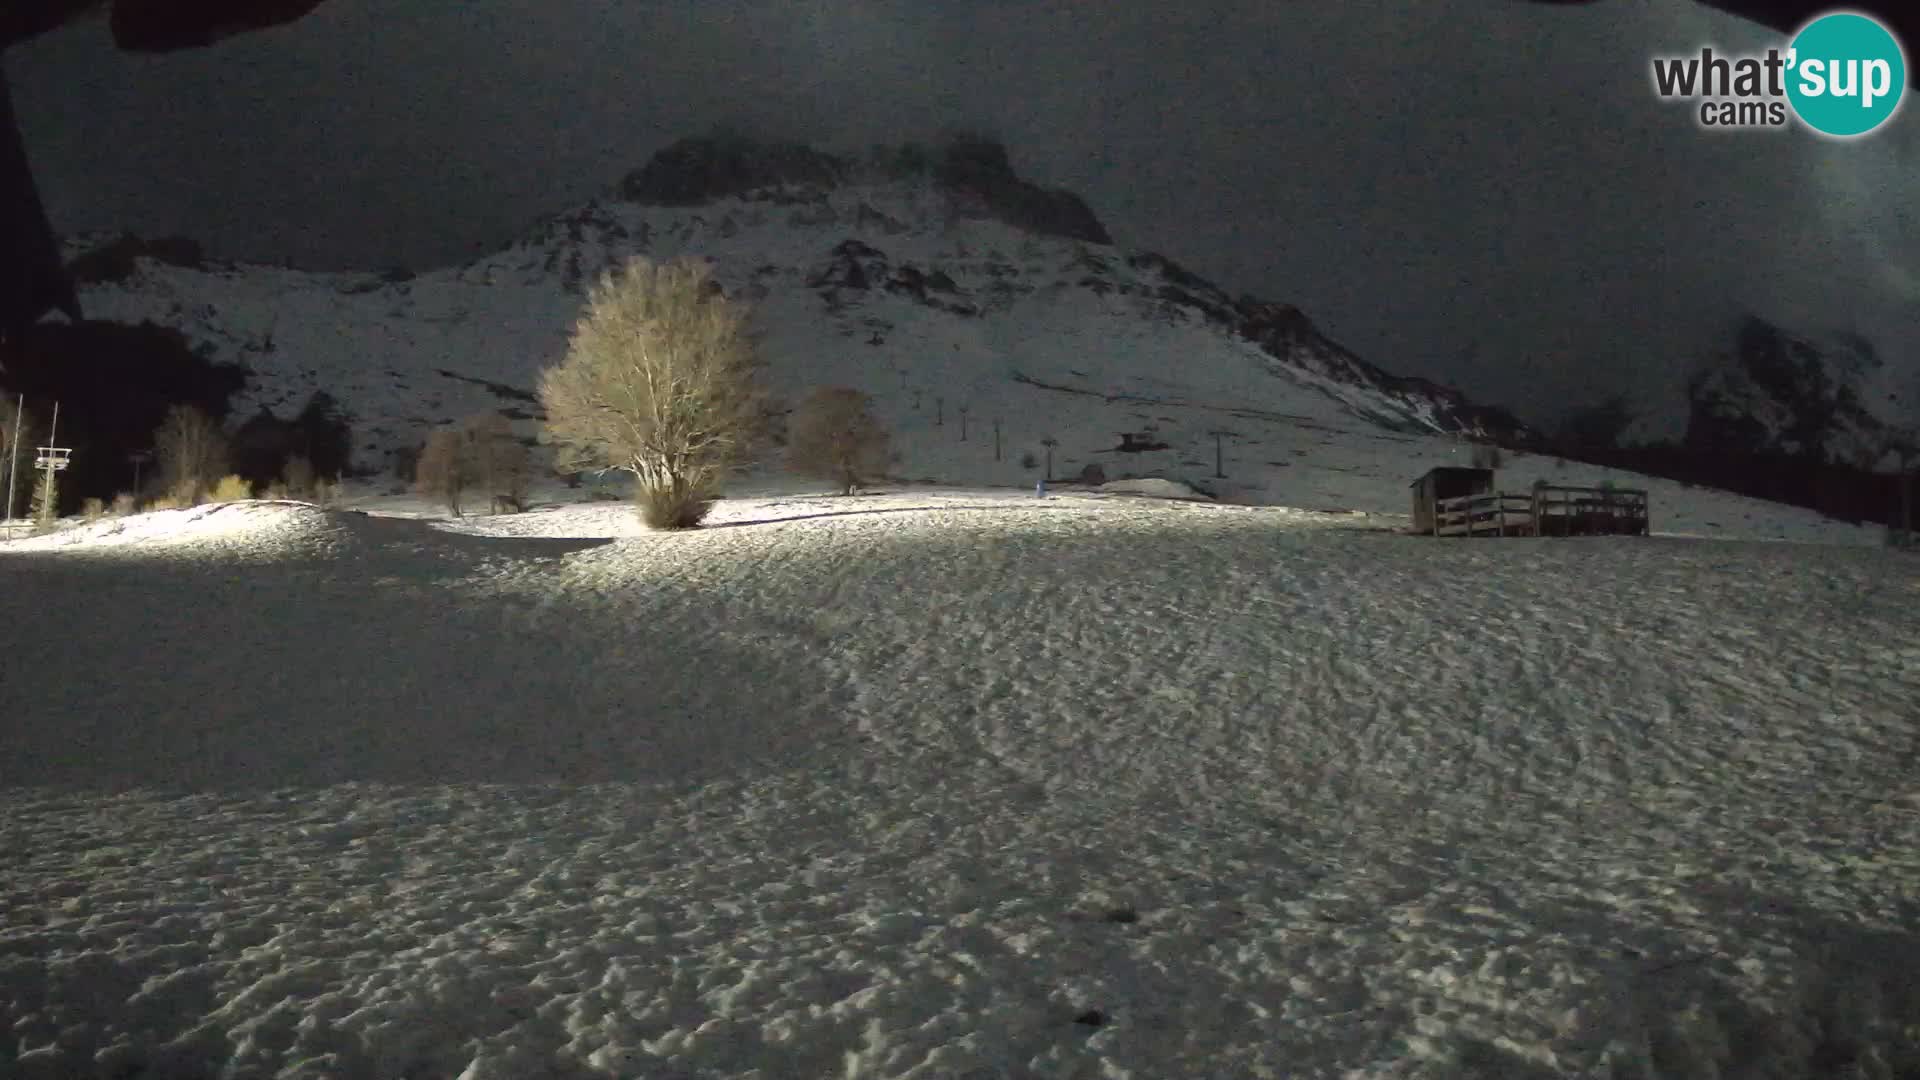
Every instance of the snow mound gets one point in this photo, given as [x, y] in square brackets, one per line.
[1154, 487]
[255, 527]
[257, 532]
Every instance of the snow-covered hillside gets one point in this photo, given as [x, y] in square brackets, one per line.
[950, 784]
[974, 333]
[909, 285]
[1784, 393]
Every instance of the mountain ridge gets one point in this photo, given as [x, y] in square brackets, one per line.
[1783, 392]
[899, 273]
[713, 187]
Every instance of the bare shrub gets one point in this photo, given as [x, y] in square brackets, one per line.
[834, 435]
[658, 381]
[406, 460]
[498, 459]
[440, 472]
[673, 506]
[326, 492]
[92, 510]
[481, 451]
[124, 504]
[167, 502]
[296, 476]
[232, 488]
[191, 452]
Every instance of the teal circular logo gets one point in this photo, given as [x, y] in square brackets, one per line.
[1845, 74]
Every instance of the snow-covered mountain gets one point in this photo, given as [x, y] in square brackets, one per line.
[1786, 394]
[936, 280]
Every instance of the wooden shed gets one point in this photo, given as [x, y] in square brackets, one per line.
[1462, 502]
[1445, 482]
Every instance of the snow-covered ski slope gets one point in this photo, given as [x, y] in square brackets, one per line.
[951, 784]
[891, 289]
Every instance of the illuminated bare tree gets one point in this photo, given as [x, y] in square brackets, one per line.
[659, 381]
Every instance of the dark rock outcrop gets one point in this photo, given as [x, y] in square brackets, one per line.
[935, 290]
[980, 166]
[693, 172]
[852, 265]
[1285, 333]
[1778, 393]
[1778, 417]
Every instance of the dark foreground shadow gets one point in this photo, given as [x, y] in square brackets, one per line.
[295, 674]
[1851, 1002]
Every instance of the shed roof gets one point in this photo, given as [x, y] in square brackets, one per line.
[1450, 469]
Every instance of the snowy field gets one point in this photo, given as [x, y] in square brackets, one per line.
[951, 784]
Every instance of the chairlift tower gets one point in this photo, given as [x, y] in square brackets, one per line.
[53, 459]
[137, 459]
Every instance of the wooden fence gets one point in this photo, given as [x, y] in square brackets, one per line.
[1547, 510]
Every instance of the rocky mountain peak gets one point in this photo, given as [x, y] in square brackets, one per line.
[696, 171]
[1783, 393]
[975, 169]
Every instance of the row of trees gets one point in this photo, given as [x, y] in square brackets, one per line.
[661, 380]
[194, 459]
[187, 458]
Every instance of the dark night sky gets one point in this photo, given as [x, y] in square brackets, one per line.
[1482, 192]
